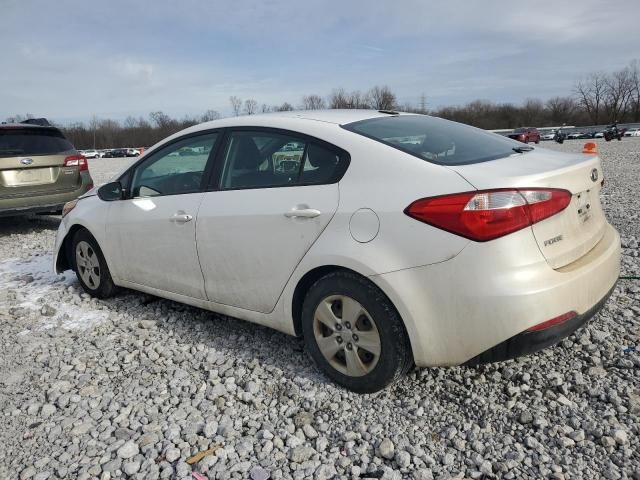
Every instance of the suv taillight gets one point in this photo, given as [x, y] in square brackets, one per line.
[76, 161]
[486, 215]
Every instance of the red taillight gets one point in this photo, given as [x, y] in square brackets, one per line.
[486, 215]
[554, 321]
[76, 161]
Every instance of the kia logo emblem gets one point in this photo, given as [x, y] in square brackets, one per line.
[594, 174]
[26, 161]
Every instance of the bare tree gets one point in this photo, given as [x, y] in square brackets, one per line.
[560, 109]
[634, 67]
[265, 108]
[313, 102]
[357, 99]
[619, 90]
[533, 112]
[285, 107]
[382, 98]
[209, 116]
[591, 93]
[236, 104]
[338, 99]
[250, 106]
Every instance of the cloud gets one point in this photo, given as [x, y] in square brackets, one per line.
[119, 58]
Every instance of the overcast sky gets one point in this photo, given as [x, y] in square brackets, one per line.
[72, 59]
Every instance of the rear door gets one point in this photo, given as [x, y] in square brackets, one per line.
[32, 163]
[274, 194]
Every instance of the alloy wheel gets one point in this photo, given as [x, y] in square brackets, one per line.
[88, 264]
[346, 335]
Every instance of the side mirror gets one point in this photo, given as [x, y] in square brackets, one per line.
[111, 191]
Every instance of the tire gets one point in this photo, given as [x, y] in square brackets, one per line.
[90, 266]
[376, 318]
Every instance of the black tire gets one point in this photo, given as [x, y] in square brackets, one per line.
[395, 357]
[105, 288]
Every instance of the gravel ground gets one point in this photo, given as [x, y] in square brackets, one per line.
[134, 386]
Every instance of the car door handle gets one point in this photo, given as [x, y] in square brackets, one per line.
[181, 218]
[302, 212]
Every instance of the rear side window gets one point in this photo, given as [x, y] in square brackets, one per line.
[32, 141]
[434, 139]
[256, 159]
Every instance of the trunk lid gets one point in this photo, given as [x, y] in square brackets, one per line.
[570, 234]
[45, 174]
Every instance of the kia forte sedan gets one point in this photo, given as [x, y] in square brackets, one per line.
[385, 240]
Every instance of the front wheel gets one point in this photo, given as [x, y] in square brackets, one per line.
[354, 333]
[90, 266]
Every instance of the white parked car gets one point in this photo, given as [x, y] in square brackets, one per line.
[548, 136]
[91, 153]
[394, 240]
[632, 132]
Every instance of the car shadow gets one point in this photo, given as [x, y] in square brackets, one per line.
[20, 225]
[230, 337]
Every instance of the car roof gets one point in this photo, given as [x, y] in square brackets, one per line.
[333, 116]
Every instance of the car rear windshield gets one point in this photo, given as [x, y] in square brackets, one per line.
[32, 141]
[435, 139]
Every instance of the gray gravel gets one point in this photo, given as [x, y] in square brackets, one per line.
[133, 386]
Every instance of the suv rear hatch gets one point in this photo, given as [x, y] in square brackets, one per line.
[570, 234]
[32, 162]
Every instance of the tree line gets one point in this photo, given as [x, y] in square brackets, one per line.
[599, 97]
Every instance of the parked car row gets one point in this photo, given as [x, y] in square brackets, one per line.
[577, 135]
[111, 153]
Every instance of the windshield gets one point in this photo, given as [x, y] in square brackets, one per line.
[32, 141]
[435, 139]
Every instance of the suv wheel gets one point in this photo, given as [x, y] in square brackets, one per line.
[354, 333]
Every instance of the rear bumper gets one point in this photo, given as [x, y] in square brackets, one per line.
[44, 203]
[491, 292]
[526, 342]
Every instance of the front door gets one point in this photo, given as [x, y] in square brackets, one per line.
[153, 231]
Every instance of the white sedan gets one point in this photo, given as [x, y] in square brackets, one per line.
[384, 239]
[632, 132]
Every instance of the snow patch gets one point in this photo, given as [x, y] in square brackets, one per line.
[36, 284]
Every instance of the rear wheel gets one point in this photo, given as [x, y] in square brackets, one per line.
[354, 334]
[91, 267]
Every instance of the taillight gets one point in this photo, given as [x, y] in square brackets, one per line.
[486, 215]
[77, 161]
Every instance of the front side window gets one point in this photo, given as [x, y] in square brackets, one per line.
[175, 169]
[266, 159]
[434, 139]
